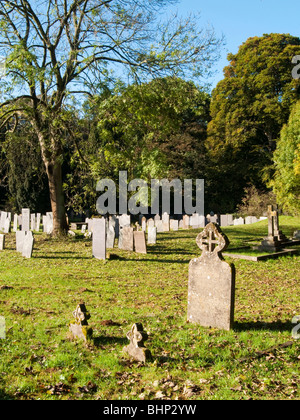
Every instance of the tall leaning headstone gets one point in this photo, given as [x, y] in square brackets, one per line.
[211, 286]
[99, 238]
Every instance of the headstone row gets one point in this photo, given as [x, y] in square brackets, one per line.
[26, 222]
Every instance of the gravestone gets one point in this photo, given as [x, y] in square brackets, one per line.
[174, 224]
[144, 224]
[38, 222]
[239, 221]
[224, 220]
[20, 236]
[79, 328]
[28, 245]
[140, 242]
[110, 238]
[185, 221]
[32, 222]
[25, 220]
[126, 238]
[15, 226]
[151, 235]
[166, 222]
[211, 285]
[156, 217]
[2, 242]
[99, 238]
[159, 226]
[124, 220]
[275, 239]
[136, 348]
[6, 228]
[150, 223]
[2, 219]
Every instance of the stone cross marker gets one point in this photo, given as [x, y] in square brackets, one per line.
[79, 328]
[99, 238]
[136, 348]
[211, 286]
[275, 236]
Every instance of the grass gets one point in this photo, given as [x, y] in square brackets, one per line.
[258, 359]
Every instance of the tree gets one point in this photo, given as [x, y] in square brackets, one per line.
[248, 109]
[286, 181]
[56, 49]
[151, 130]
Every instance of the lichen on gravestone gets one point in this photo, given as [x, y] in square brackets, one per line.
[79, 328]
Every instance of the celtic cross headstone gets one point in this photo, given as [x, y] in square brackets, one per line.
[211, 286]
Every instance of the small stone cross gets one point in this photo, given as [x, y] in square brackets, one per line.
[79, 328]
[136, 348]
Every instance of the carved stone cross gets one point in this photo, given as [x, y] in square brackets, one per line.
[211, 240]
[136, 348]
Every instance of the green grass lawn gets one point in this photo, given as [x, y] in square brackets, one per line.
[258, 359]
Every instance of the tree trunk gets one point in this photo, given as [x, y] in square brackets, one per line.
[52, 161]
[54, 174]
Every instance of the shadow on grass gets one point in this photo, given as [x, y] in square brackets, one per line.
[104, 340]
[263, 326]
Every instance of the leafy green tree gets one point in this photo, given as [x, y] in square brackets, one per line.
[56, 50]
[152, 130]
[248, 109]
[286, 181]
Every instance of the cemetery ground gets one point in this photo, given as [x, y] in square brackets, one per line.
[257, 359]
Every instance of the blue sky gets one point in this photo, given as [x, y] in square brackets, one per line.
[238, 20]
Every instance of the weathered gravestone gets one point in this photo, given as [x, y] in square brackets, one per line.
[15, 226]
[79, 328]
[150, 223]
[166, 222]
[20, 236]
[239, 221]
[38, 222]
[151, 239]
[2, 219]
[124, 220]
[211, 286]
[99, 238]
[136, 348]
[126, 238]
[28, 245]
[6, 228]
[2, 242]
[140, 242]
[174, 224]
[159, 226]
[25, 220]
[185, 221]
[110, 238]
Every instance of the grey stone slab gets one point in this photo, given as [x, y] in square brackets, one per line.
[126, 238]
[140, 242]
[151, 238]
[99, 238]
[25, 220]
[20, 236]
[28, 243]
